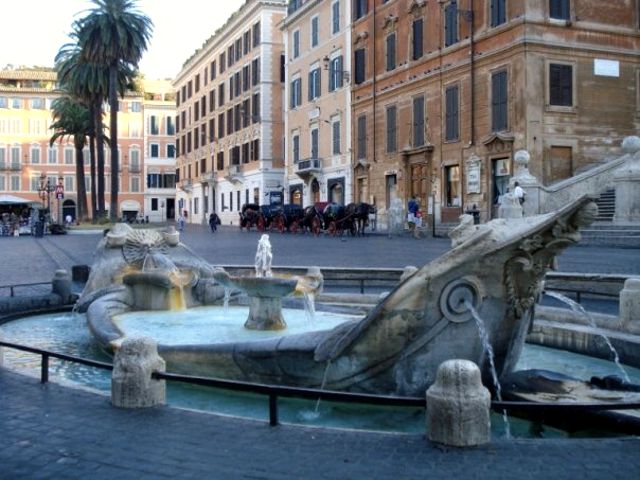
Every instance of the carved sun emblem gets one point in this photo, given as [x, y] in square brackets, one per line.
[141, 243]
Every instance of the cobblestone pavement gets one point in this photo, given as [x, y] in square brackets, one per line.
[52, 432]
[56, 432]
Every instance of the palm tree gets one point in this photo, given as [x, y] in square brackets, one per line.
[71, 119]
[90, 84]
[115, 35]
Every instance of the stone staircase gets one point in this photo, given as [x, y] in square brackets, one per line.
[604, 232]
[606, 205]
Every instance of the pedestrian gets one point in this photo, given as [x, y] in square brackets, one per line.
[518, 192]
[412, 209]
[213, 222]
[418, 221]
[180, 222]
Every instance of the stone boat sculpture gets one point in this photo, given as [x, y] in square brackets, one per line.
[496, 268]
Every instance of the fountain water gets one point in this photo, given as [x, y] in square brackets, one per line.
[576, 307]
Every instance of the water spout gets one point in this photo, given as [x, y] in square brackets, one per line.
[577, 308]
[488, 350]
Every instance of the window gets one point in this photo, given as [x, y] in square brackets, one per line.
[360, 8]
[499, 105]
[246, 42]
[134, 160]
[246, 78]
[498, 12]
[220, 161]
[296, 93]
[171, 129]
[362, 137]
[314, 83]
[238, 48]
[451, 113]
[35, 154]
[212, 70]
[452, 186]
[197, 87]
[4, 103]
[37, 103]
[136, 107]
[16, 103]
[359, 62]
[53, 155]
[335, 137]
[212, 100]
[335, 17]
[314, 142]
[255, 72]
[69, 156]
[221, 125]
[153, 127]
[255, 108]
[296, 44]
[295, 147]
[154, 150]
[418, 121]
[391, 51]
[135, 184]
[314, 31]
[222, 62]
[559, 9]
[417, 30]
[171, 151]
[335, 73]
[15, 183]
[450, 24]
[221, 94]
[246, 113]
[3, 158]
[391, 137]
[560, 85]
[203, 106]
[256, 34]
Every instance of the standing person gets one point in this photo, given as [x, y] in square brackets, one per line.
[213, 222]
[518, 192]
[412, 209]
[180, 222]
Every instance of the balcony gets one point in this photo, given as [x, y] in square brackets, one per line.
[209, 177]
[134, 168]
[186, 185]
[233, 173]
[13, 166]
[307, 167]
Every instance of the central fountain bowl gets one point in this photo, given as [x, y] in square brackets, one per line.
[265, 294]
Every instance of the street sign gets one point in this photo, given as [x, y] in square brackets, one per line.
[59, 192]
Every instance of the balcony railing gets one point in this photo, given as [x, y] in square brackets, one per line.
[308, 165]
[10, 166]
[209, 177]
[134, 168]
[186, 185]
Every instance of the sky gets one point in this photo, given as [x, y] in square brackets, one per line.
[180, 28]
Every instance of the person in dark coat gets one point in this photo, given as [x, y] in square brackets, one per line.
[214, 221]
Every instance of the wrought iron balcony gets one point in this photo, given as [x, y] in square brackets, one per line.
[209, 177]
[186, 185]
[134, 168]
[308, 166]
[233, 173]
[15, 166]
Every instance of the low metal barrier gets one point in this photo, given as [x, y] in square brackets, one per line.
[274, 392]
[40, 288]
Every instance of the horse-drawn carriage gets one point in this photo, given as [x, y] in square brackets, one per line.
[336, 219]
[271, 217]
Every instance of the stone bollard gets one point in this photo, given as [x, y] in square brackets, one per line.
[61, 285]
[630, 305]
[458, 406]
[131, 382]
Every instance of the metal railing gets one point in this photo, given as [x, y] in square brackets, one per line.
[40, 288]
[274, 392]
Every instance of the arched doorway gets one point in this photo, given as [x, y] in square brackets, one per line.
[315, 191]
[295, 195]
[336, 190]
[69, 208]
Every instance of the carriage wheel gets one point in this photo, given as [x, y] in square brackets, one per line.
[260, 223]
[294, 227]
[315, 226]
[353, 229]
[333, 228]
[278, 223]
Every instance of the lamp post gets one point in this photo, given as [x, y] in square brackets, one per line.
[342, 74]
[45, 191]
[60, 196]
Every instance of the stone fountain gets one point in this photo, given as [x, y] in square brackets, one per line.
[497, 268]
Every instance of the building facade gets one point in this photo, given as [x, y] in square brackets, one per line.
[445, 92]
[318, 102]
[159, 109]
[229, 123]
[26, 156]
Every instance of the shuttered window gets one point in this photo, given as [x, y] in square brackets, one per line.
[451, 24]
[391, 51]
[360, 65]
[561, 85]
[391, 129]
[417, 29]
[499, 101]
[559, 9]
[362, 137]
[498, 12]
[418, 121]
[451, 114]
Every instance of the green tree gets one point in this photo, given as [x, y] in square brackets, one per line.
[89, 83]
[71, 119]
[115, 35]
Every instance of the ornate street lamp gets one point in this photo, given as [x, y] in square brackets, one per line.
[45, 190]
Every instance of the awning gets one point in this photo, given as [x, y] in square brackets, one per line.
[14, 200]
